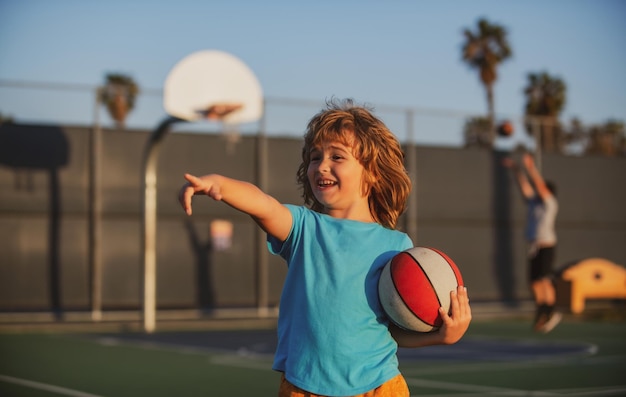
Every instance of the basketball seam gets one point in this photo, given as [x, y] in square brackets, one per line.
[402, 298]
[386, 273]
[453, 266]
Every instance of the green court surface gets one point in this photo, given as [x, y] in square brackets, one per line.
[495, 358]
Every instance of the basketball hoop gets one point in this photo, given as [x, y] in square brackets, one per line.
[219, 111]
[215, 86]
[230, 130]
[211, 85]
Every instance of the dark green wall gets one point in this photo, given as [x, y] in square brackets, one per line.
[467, 206]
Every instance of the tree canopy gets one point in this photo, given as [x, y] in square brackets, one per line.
[484, 50]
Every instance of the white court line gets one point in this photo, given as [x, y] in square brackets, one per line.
[47, 387]
[241, 358]
[178, 348]
[240, 362]
[594, 391]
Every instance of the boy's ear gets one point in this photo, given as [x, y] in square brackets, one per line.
[373, 178]
[369, 181]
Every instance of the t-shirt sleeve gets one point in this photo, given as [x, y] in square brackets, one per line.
[408, 243]
[283, 248]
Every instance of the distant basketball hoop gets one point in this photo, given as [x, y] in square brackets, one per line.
[210, 85]
[213, 85]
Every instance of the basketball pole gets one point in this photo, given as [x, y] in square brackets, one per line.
[149, 223]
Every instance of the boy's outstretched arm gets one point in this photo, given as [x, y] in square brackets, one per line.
[273, 217]
[451, 331]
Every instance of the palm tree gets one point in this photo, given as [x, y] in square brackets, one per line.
[118, 95]
[484, 50]
[608, 139]
[545, 100]
[476, 132]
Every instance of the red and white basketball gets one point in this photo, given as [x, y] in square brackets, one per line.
[414, 284]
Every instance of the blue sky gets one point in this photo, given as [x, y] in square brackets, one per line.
[397, 53]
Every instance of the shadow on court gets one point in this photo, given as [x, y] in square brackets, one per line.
[263, 343]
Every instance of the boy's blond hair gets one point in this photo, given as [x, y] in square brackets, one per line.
[375, 147]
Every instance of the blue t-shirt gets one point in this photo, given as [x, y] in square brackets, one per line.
[333, 336]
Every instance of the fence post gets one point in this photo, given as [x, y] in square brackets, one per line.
[411, 165]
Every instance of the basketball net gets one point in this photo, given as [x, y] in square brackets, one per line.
[230, 131]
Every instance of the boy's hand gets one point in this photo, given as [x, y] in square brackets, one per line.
[208, 185]
[451, 331]
[456, 324]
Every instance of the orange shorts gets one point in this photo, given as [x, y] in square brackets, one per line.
[394, 387]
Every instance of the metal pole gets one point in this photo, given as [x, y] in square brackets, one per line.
[262, 254]
[150, 222]
[411, 160]
[95, 213]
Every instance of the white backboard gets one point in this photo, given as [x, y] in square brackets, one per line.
[211, 77]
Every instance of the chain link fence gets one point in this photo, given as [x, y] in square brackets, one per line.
[76, 104]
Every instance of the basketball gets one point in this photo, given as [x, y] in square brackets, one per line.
[505, 129]
[414, 284]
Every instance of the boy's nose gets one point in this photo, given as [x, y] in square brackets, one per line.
[324, 165]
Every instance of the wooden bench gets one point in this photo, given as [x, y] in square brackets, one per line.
[594, 278]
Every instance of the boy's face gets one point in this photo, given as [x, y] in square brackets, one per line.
[336, 179]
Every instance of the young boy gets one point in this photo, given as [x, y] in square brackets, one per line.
[333, 336]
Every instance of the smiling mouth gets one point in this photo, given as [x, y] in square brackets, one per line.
[325, 183]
